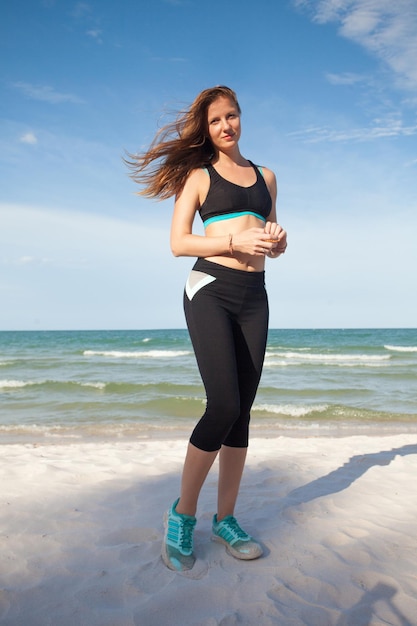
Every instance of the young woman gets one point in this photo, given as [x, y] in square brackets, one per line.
[197, 160]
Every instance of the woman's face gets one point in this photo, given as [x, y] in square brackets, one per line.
[223, 123]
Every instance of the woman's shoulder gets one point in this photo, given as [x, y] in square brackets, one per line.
[197, 183]
[199, 176]
[267, 173]
[270, 179]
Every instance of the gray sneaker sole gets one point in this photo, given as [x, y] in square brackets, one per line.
[252, 554]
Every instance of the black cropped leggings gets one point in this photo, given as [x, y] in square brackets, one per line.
[227, 317]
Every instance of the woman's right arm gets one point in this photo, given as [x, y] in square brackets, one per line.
[187, 203]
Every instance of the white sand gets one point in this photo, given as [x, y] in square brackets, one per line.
[81, 528]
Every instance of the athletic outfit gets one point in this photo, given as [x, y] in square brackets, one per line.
[227, 317]
[226, 200]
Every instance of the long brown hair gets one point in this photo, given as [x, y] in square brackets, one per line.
[178, 148]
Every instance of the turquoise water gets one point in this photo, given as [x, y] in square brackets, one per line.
[113, 384]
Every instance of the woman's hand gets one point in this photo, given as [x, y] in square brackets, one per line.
[252, 242]
[277, 237]
[261, 241]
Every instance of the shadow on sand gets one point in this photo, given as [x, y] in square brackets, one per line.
[344, 476]
[363, 612]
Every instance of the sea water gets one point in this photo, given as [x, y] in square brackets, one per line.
[57, 385]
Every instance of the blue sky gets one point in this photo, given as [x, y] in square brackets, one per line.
[328, 90]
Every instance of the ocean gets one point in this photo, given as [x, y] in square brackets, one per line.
[89, 385]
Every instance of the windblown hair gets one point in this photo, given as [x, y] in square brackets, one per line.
[178, 148]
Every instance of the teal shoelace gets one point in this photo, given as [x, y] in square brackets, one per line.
[186, 535]
[233, 527]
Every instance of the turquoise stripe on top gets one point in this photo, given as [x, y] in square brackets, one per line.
[227, 216]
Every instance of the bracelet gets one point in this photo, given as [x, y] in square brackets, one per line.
[231, 251]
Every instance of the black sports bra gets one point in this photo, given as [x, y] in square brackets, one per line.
[226, 200]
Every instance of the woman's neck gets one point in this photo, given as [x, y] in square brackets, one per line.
[230, 159]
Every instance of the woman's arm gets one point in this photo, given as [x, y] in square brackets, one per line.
[272, 227]
[183, 242]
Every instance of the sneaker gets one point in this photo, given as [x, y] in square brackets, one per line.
[177, 549]
[238, 543]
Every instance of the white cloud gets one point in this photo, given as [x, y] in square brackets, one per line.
[46, 93]
[95, 33]
[29, 138]
[385, 28]
[380, 128]
[347, 78]
[84, 15]
[81, 10]
[31, 260]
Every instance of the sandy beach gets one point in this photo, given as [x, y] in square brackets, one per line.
[81, 529]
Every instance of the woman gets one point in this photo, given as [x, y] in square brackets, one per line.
[198, 160]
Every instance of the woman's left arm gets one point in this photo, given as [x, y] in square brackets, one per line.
[272, 227]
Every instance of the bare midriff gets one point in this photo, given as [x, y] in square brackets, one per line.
[234, 226]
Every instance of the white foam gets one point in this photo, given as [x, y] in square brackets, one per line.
[94, 385]
[401, 348]
[358, 358]
[291, 409]
[150, 354]
[18, 384]
[13, 384]
[345, 360]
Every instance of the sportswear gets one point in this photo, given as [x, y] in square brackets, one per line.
[177, 548]
[226, 200]
[238, 543]
[226, 311]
